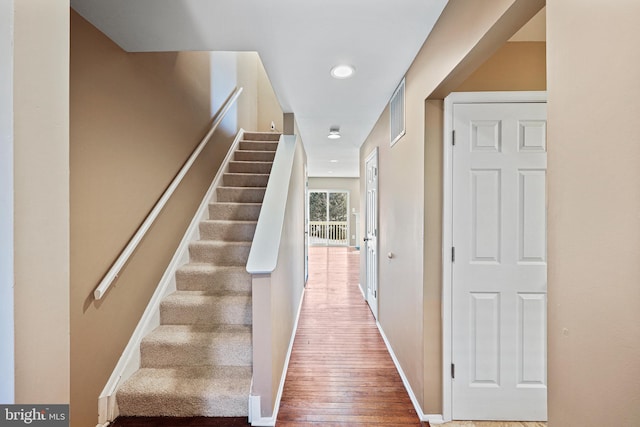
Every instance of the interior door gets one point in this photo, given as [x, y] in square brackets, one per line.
[371, 231]
[306, 226]
[499, 272]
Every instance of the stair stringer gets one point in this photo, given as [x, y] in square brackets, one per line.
[129, 361]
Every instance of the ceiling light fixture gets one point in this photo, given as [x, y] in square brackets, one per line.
[334, 133]
[342, 71]
[333, 161]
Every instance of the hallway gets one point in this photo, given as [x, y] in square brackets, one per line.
[340, 372]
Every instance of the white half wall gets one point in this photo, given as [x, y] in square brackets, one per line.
[7, 364]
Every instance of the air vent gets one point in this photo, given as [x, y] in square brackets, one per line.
[396, 108]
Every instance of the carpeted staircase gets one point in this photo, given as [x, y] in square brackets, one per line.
[198, 362]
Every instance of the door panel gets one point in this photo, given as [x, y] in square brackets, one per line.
[371, 231]
[499, 275]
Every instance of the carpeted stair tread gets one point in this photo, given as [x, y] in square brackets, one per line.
[197, 345]
[260, 156]
[210, 391]
[219, 252]
[245, 179]
[202, 308]
[235, 211]
[258, 145]
[261, 136]
[240, 194]
[213, 278]
[250, 167]
[227, 230]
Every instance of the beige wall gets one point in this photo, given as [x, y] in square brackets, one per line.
[352, 186]
[7, 365]
[432, 318]
[276, 297]
[41, 203]
[269, 107]
[135, 118]
[594, 201]
[468, 35]
[515, 66]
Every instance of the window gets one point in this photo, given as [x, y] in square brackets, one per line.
[328, 218]
[396, 108]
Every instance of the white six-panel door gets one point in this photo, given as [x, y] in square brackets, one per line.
[371, 231]
[499, 272]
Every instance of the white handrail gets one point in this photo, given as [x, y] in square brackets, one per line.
[114, 271]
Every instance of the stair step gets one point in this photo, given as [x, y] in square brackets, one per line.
[201, 308]
[235, 211]
[219, 253]
[258, 145]
[240, 194]
[212, 278]
[245, 179]
[230, 231]
[250, 167]
[261, 136]
[254, 156]
[196, 345]
[210, 391]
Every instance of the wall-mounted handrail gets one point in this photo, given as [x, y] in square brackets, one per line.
[115, 269]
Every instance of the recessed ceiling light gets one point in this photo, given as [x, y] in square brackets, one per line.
[334, 133]
[333, 161]
[342, 71]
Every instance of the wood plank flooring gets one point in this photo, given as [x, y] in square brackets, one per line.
[340, 372]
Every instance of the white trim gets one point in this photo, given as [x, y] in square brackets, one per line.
[129, 361]
[405, 381]
[362, 292]
[447, 215]
[434, 419]
[263, 257]
[254, 401]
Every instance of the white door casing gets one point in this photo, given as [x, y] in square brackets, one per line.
[497, 281]
[371, 231]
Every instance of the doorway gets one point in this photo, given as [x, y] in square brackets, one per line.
[328, 218]
[495, 279]
[371, 231]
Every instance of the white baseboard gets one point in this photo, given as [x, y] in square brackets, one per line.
[255, 417]
[434, 419]
[258, 420]
[129, 361]
[431, 418]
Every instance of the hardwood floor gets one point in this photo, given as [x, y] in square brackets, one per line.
[340, 372]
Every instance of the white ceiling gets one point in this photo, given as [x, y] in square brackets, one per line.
[299, 41]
